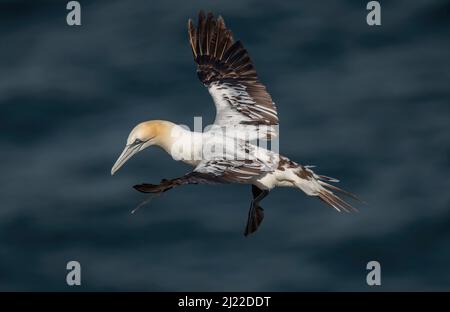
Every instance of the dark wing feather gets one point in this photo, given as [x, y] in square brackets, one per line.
[225, 67]
[211, 172]
[233, 171]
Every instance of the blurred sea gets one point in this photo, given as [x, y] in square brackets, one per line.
[369, 105]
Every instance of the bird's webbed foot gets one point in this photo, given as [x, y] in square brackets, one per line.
[255, 218]
[256, 212]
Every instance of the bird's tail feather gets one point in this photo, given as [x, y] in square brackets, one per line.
[327, 195]
[335, 201]
[339, 190]
[319, 185]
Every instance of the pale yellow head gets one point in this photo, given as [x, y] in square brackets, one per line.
[145, 134]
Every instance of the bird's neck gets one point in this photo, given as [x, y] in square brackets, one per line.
[164, 130]
[180, 143]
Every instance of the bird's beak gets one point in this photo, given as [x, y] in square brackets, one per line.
[127, 153]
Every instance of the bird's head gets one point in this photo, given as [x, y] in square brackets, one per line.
[142, 136]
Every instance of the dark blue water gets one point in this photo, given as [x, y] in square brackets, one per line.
[369, 105]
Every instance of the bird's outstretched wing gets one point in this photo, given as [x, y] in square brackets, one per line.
[212, 172]
[225, 68]
[232, 171]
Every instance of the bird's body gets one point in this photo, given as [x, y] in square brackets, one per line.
[228, 151]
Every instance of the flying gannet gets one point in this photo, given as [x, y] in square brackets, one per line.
[244, 112]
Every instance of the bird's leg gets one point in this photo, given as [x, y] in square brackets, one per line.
[256, 212]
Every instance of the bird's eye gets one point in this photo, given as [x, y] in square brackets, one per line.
[137, 141]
